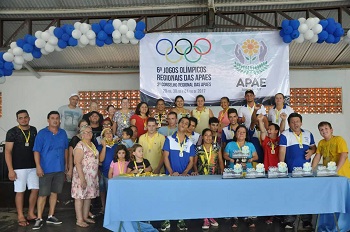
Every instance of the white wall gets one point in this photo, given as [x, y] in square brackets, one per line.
[39, 96]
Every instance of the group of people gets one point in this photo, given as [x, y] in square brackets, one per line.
[88, 149]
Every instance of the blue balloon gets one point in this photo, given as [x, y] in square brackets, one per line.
[102, 35]
[69, 29]
[338, 32]
[295, 24]
[288, 30]
[26, 37]
[330, 38]
[65, 37]
[331, 21]
[2, 64]
[72, 42]
[96, 27]
[103, 23]
[140, 26]
[1, 73]
[323, 35]
[336, 40]
[324, 23]
[337, 25]
[58, 32]
[282, 33]
[62, 44]
[285, 23]
[31, 40]
[295, 34]
[27, 48]
[99, 43]
[320, 41]
[331, 28]
[1, 56]
[139, 35]
[108, 40]
[287, 39]
[20, 43]
[36, 54]
[8, 65]
[8, 72]
[108, 28]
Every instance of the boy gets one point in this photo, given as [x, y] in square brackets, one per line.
[214, 127]
[171, 127]
[191, 134]
[229, 131]
[126, 137]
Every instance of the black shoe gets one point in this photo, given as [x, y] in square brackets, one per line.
[38, 224]
[307, 225]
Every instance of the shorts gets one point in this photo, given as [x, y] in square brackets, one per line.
[103, 183]
[51, 183]
[26, 177]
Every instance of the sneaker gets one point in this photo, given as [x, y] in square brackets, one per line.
[307, 225]
[206, 224]
[38, 224]
[213, 222]
[289, 225]
[165, 225]
[53, 220]
[269, 221]
[181, 225]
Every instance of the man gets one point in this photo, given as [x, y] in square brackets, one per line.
[191, 134]
[50, 154]
[171, 127]
[246, 111]
[93, 107]
[70, 116]
[296, 147]
[152, 143]
[229, 131]
[20, 162]
[178, 153]
[95, 126]
[160, 113]
[332, 148]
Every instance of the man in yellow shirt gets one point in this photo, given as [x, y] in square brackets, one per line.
[332, 148]
[152, 143]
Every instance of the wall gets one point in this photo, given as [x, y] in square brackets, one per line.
[39, 96]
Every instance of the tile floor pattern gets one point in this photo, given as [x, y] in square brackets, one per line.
[8, 223]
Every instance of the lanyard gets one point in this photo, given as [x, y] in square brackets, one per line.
[221, 117]
[200, 113]
[150, 141]
[124, 118]
[240, 148]
[181, 147]
[277, 112]
[92, 148]
[299, 139]
[143, 163]
[231, 130]
[251, 109]
[24, 134]
[121, 169]
[215, 137]
[208, 156]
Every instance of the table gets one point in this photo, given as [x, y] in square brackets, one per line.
[173, 198]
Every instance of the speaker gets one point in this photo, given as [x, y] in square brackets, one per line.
[3, 167]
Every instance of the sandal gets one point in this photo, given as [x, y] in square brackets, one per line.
[88, 220]
[82, 224]
[23, 223]
[31, 219]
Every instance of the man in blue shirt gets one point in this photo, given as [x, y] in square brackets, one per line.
[50, 154]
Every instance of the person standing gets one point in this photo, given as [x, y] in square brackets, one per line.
[223, 115]
[139, 119]
[202, 114]
[20, 162]
[70, 116]
[121, 118]
[160, 113]
[280, 107]
[51, 156]
[172, 125]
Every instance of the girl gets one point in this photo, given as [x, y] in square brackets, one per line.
[202, 114]
[138, 164]
[179, 108]
[120, 162]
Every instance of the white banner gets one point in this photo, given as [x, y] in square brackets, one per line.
[214, 65]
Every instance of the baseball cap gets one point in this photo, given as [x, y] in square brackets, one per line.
[74, 94]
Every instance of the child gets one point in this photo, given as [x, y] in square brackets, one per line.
[126, 137]
[214, 127]
[120, 161]
[138, 164]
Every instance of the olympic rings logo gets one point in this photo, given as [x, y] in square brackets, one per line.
[183, 53]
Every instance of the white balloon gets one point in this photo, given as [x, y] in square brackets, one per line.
[45, 36]
[49, 48]
[76, 34]
[8, 56]
[13, 45]
[317, 20]
[27, 56]
[84, 40]
[317, 29]
[131, 23]
[84, 27]
[17, 66]
[40, 43]
[77, 25]
[125, 39]
[43, 51]
[303, 28]
[123, 29]
[38, 34]
[310, 22]
[346, 39]
[53, 40]
[58, 49]
[51, 29]
[10, 50]
[92, 42]
[18, 60]
[90, 34]
[130, 35]
[117, 23]
[2, 80]
[116, 34]
[17, 51]
[124, 22]
[302, 20]
[117, 41]
[80, 45]
[314, 39]
[134, 41]
[308, 35]
[300, 39]
[348, 34]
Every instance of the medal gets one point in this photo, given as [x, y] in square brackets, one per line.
[125, 122]
[26, 144]
[300, 145]
[25, 137]
[273, 151]
[181, 154]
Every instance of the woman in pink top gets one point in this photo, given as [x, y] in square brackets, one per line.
[223, 117]
[120, 162]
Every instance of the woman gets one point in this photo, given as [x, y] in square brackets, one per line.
[110, 112]
[280, 107]
[139, 119]
[202, 114]
[121, 118]
[179, 108]
[222, 116]
[85, 176]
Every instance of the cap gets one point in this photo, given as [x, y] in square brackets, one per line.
[74, 94]
[249, 91]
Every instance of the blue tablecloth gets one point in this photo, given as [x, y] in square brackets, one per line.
[168, 197]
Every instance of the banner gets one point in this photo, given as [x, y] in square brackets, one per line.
[214, 65]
